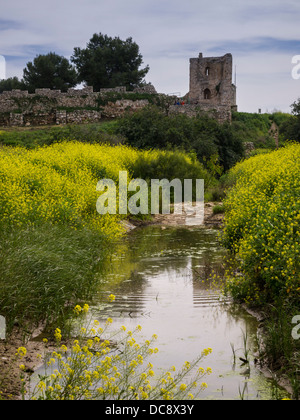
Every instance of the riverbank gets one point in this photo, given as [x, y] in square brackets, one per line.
[35, 347]
[211, 220]
[216, 221]
[9, 368]
[262, 363]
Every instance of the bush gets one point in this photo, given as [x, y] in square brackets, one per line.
[219, 209]
[86, 133]
[262, 226]
[51, 236]
[151, 128]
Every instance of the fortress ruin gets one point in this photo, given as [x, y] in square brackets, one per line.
[211, 92]
[211, 88]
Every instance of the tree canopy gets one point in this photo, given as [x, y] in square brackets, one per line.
[50, 71]
[11, 83]
[290, 129]
[109, 62]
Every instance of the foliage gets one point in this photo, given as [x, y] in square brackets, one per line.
[106, 97]
[151, 128]
[280, 118]
[109, 62]
[253, 128]
[219, 209]
[296, 108]
[86, 133]
[52, 239]
[290, 128]
[263, 226]
[57, 184]
[49, 71]
[71, 169]
[11, 83]
[44, 267]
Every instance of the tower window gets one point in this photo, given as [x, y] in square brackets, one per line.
[207, 94]
[207, 71]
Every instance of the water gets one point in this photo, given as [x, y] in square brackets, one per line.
[159, 276]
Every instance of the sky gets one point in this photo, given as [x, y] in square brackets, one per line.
[262, 35]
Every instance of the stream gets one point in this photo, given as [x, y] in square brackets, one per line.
[159, 277]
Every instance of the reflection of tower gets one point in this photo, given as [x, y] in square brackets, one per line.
[208, 273]
[211, 81]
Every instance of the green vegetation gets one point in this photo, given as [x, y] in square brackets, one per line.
[92, 371]
[50, 71]
[262, 230]
[152, 128]
[290, 128]
[45, 267]
[30, 138]
[53, 241]
[54, 245]
[105, 63]
[109, 62]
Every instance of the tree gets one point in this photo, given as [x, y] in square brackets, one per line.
[296, 108]
[50, 71]
[109, 62]
[290, 129]
[11, 83]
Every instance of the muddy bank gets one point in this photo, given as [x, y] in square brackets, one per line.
[261, 317]
[10, 373]
[211, 220]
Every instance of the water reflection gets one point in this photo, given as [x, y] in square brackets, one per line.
[159, 277]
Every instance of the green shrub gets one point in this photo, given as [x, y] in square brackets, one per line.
[262, 226]
[218, 209]
[151, 128]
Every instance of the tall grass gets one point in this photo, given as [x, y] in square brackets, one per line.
[52, 240]
[46, 268]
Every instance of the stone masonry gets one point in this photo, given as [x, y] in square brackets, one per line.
[46, 106]
[211, 81]
[211, 92]
[211, 88]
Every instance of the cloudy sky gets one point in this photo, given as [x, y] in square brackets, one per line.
[262, 35]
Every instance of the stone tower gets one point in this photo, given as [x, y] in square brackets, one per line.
[211, 81]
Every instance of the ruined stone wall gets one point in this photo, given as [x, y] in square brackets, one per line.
[46, 106]
[221, 113]
[211, 81]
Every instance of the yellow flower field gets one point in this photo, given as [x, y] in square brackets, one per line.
[263, 225]
[53, 242]
[58, 184]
